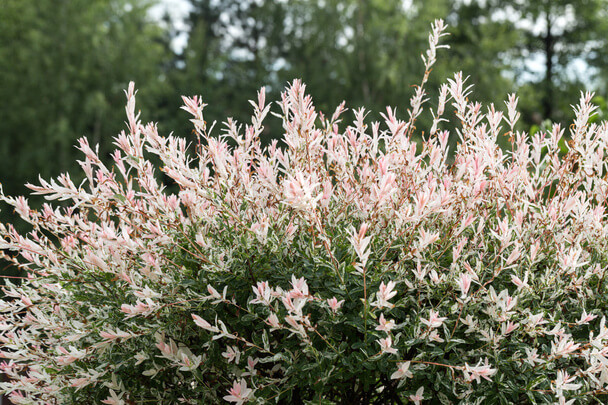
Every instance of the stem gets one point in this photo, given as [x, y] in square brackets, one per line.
[365, 308]
[457, 320]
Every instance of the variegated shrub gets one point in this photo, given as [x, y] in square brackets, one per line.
[350, 264]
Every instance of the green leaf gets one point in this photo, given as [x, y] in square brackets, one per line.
[265, 340]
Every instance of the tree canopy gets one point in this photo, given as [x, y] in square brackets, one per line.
[64, 65]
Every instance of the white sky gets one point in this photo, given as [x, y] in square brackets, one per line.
[178, 10]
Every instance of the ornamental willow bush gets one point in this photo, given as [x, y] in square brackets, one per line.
[349, 266]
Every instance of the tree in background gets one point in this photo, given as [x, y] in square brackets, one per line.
[568, 37]
[234, 48]
[63, 66]
[482, 48]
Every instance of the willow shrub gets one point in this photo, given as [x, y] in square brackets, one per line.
[349, 266]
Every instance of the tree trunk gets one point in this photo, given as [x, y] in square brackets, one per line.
[549, 42]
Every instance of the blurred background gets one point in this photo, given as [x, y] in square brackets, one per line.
[64, 63]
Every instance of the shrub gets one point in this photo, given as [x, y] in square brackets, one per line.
[349, 266]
